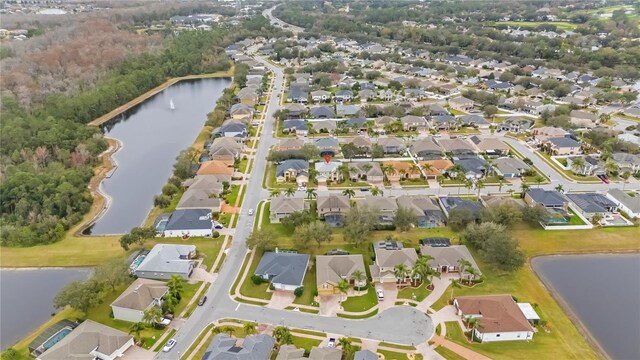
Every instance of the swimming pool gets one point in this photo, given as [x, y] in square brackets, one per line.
[136, 262]
[56, 338]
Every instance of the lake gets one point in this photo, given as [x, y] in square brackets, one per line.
[603, 292]
[27, 299]
[152, 135]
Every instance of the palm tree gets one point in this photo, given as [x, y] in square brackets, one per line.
[275, 193]
[468, 184]
[311, 194]
[387, 170]
[524, 187]
[440, 179]
[454, 284]
[344, 170]
[282, 334]
[401, 271]
[559, 188]
[596, 218]
[403, 173]
[135, 330]
[249, 328]
[625, 176]
[427, 168]
[611, 166]
[343, 286]
[176, 286]
[577, 164]
[423, 270]
[347, 347]
[376, 191]
[152, 315]
[463, 265]
[349, 193]
[511, 191]
[538, 179]
[415, 168]
[313, 173]
[500, 183]
[290, 191]
[472, 273]
[479, 186]
[358, 276]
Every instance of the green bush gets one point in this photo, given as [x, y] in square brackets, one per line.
[257, 280]
[215, 235]
[298, 291]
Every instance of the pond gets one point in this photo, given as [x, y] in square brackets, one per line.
[152, 134]
[603, 293]
[27, 299]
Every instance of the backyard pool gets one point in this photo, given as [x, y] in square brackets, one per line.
[138, 260]
[56, 338]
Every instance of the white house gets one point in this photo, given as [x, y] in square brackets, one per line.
[625, 202]
[500, 318]
[165, 260]
[137, 298]
[189, 222]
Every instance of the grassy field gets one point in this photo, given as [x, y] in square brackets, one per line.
[448, 354]
[361, 303]
[248, 288]
[305, 343]
[392, 355]
[420, 292]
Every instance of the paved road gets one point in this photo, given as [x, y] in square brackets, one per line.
[401, 325]
[275, 21]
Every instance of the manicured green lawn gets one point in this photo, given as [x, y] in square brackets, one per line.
[454, 332]
[392, 355]
[448, 354]
[242, 166]
[203, 333]
[309, 286]
[211, 252]
[248, 288]
[305, 343]
[167, 338]
[397, 346]
[361, 303]
[233, 195]
[414, 182]
[420, 293]
[188, 292]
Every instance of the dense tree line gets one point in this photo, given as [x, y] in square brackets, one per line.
[48, 152]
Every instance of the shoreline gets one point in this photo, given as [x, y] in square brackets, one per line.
[564, 305]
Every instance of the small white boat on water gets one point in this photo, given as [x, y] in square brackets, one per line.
[171, 106]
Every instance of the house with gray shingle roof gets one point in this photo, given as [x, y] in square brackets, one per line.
[189, 222]
[625, 202]
[383, 270]
[283, 206]
[165, 260]
[293, 170]
[322, 112]
[426, 149]
[333, 208]
[284, 270]
[428, 213]
[141, 295]
[254, 347]
[510, 167]
[446, 258]
[590, 204]
[331, 269]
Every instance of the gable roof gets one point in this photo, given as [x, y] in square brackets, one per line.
[419, 204]
[592, 202]
[254, 347]
[190, 219]
[499, 313]
[391, 258]
[215, 167]
[633, 203]
[86, 337]
[140, 294]
[379, 202]
[283, 268]
[333, 268]
[333, 202]
[292, 164]
[287, 205]
[168, 258]
[564, 142]
[448, 255]
[509, 165]
[547, 197]
[425, 145]
[451, 145]
[197, 199]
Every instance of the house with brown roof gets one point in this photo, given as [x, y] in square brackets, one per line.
[137, 298]
[461, 103]
[290, 144]
[216, 167]
[333, 208]
[426, 149]
[438, 167]
[383, 270]
[402, 170]
[331, 269]
[500, 317]
[225, 148]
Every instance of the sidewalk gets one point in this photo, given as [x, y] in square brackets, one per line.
[458, 349]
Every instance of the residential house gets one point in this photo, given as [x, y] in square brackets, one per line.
[333, 209]
[437, 110]
[590, 165]
[500, 317]
[366, 171]
[343, 110]
[363, 143]
[365, 355]
[295, 126]
[412, 122]
[510, 167]
[443, 122]
[328, 171]
[320, 96]
[248, 96]
[328, 146]
[448, 89]
[234, 129]
[293, 170]
[189, 222]
[322, 112]
[212, 184]
[366, 94]
[295, 110]
[216, 167]
[165, 260]
[426, 149]
[555, 202]
[625, 202]
[392, 145]
[343, 95]
[298, 94]
[474, 168]
[457, 147]
[198, 199]
[290, 145]
[331, 269]
[447, 259]
[290, 352]
[461, 103]
[90, 340]
[383, 270]
[225, 148]
[285, 270]
[564, 146]
[402, 170]
[474, 120]
[428, 213]
[583, 119]
[545, 133]
[384, 205]
[436, 167]
[382, 122]
[141, 295]
[490, 146]
[324, 127]
[627, 162]
[449, 203]
[252, 347]
[517, 124]
[283, 206]
[241, 111]
[590, 204]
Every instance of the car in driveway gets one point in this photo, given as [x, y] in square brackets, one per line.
[169, 345]
[380, 294]
[165, 321]
[331, 343]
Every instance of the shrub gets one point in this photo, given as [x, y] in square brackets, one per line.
[315, 292]
[298, 291]
[161, 201]
[272, 287]
[257, 280]
[215, 235]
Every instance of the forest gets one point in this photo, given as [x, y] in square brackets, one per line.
[48, 152]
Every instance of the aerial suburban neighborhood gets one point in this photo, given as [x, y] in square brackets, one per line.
[330, 180]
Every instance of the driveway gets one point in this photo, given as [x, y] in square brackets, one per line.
[329, 305]
[281, 299]
[390, 296]
[201, 274]
[138, 353]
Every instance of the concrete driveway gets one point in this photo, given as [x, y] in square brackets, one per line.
[201, 274]
[390, 296]
[281, 299]
[329, 305]
[138, 353]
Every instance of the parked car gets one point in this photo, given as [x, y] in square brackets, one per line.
[169, 345]
[603, 178]
[250, 211]
[332, 342]
[165, 321]
[202, 300]
[217, 225]
[380, 294]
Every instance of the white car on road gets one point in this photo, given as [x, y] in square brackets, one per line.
[169, 345]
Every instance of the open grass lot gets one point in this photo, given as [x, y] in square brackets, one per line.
[420, 292]
[392, 355]
[448, 354]
[361, 303]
